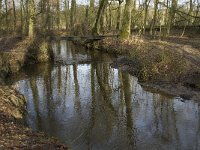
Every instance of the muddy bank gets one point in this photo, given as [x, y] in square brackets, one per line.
[13, 135]
[162, 65]
[14, 55]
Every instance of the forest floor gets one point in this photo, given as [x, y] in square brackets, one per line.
[13, 133]
[189, 47]
[186, 83]
[9, 43]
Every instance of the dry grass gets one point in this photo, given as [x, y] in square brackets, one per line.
[157, 60]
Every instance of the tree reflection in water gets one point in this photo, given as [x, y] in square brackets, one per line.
[93, 106]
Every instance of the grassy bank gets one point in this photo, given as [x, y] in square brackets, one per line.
[151, 62]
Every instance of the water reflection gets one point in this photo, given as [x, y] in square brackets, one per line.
[93, 106]
[68, 53]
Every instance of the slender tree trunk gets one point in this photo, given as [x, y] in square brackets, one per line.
[87, 15]
[91, 4]
[58, 14]
[126, 24]
[145, 15]
[171, 15]
[91, 11]
[154, 16]
[73, 15]
[48, 19]
[0, 15]
[196, 20]
[32, 18]
[119, 16]
[110, 16]
[6, 7]
[66, 3]
[189, 19]
[43, 10]
[95, 30]
[21, 17]
[0, 7]
[14, 15]
[26, 15]
[104, 20]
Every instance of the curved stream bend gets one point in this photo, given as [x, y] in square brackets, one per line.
[89, 105]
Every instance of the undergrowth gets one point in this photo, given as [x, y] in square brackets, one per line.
[156, 61]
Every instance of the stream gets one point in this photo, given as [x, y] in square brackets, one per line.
[87, 104]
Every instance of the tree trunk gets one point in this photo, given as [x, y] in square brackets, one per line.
[66, 3]
[21, 17]
[119, 15]
[147, 2]
[110, 16]
[14, 15]
[7, 23]
[26, 15]
[189, 18]
[126, 24]
[171, 15]
[95, 30]
[48, 19]
[58, 14]
[196, 20]
[87, 15]
[0, 15]
[72, 17]
[43, 10]
[104, 20]
[32, 18]
[91, 12]
[154, 16]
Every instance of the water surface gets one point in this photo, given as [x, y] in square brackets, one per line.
[87, 104]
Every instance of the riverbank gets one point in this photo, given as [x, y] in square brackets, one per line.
[16, 53]
[170, 65]
[13, 135]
